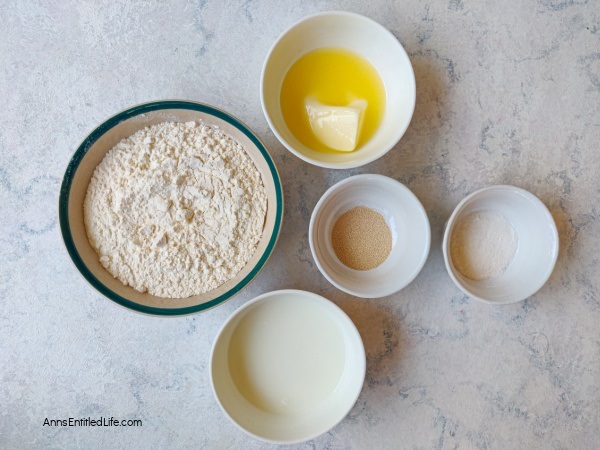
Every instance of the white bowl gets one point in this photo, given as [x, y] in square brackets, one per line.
[358, 34]
[403, 213]
[287, 366]
[537, 248]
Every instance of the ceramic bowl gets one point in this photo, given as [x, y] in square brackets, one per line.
[92, 151]
[287, 366]
[537, 247]
[360, 35]
[403, 213]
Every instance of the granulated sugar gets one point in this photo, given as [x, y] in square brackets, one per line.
[361, 238]
[482, 245]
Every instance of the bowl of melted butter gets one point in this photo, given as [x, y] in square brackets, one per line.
[338, 90]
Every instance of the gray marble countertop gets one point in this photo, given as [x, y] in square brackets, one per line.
[507, 93]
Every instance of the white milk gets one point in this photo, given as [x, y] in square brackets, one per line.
[286, 356]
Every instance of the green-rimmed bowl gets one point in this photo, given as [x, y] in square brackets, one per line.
[92, 151]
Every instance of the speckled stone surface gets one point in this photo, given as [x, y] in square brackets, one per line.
[507, 92]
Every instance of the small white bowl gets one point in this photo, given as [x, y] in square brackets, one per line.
[287, 366]
[358, 34]
[403, 213]
[537, 248]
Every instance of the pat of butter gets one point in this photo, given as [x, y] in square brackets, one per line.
[337, 127]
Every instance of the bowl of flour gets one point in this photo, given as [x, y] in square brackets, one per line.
[500, 244]
[170, 207]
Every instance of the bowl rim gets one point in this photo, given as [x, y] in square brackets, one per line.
[348, 165]
[456, 212]
[337, 310]
[319, 205]
[93, 136]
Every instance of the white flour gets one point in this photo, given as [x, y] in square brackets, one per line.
[482, 245]
[177, 209]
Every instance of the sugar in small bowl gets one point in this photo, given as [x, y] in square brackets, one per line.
[500, 244]
[369, 235]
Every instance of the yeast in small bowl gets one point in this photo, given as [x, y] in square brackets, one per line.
[536, 244]
[287, 366]
[91, 152]
[404, 215]
[369, 40]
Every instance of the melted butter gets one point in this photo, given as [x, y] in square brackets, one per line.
[336, 77]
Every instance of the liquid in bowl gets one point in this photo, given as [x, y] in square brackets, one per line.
[286, 357]
[287, 366]
[336, 77]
